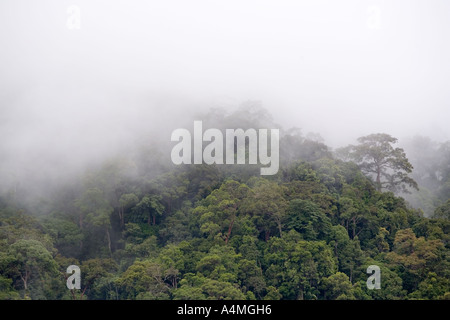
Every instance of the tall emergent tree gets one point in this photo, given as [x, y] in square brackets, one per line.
[377, 157]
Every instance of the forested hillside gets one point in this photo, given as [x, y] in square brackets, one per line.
[142, 228]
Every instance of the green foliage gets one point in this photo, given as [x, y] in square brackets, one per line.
[443, 211]
[65, 233]
[338, 287]
[147, 210]
[212, 232]
[307, 218]
[6, 290]
[198, 287]
[27, 262]
[143, 280]
[378, 158]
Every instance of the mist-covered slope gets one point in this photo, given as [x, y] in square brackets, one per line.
[140, 227]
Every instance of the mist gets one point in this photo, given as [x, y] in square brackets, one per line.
[77, 89]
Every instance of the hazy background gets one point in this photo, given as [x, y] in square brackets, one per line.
[136, 69]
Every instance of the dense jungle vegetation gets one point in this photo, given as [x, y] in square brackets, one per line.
[140, 227]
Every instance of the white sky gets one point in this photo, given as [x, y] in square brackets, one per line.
[330, 67]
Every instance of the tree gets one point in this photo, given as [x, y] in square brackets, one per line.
[337, 287]
[218, 212]
[143, 280]
[391, 283]
[149, 207]
[347, 251]
[415, 257]
[351, 211]
[443, 211]
[171, 261]
[221, 290]
[198, 287]
[92, 271]
[267, 205]
[221, 263]
[295, 266]
[175, 226]
[28, 260]
[126, 201]
[190, 288]
[307, 218]
[379, 159]
[6, 290]
[433, 288]
[65, 234]
[96, 210]
[251, 277]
